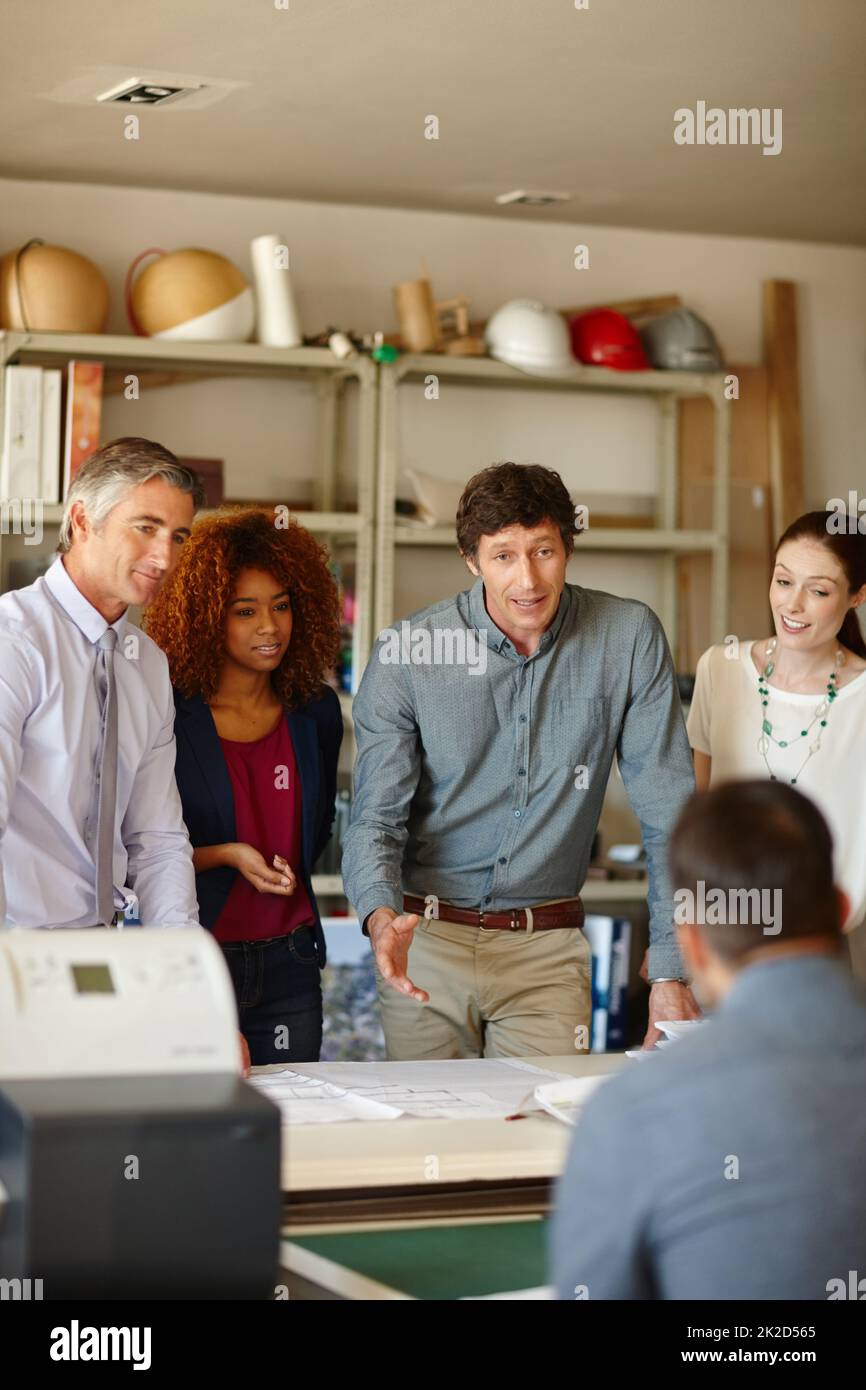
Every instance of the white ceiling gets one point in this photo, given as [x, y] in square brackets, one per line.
[536, 94]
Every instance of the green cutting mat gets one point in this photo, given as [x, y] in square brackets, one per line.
[442, 1262]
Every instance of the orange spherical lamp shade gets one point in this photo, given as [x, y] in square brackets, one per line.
[192, 295]
[50, 289]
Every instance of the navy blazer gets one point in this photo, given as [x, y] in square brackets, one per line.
[205, 788]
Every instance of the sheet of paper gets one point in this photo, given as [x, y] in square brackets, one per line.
[304, 1100]
[565, 1099]
[467, 1088]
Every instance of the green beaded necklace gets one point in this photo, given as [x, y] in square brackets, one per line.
[820, 716]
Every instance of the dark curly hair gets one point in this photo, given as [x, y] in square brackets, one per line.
[513, 494]
[187, 617]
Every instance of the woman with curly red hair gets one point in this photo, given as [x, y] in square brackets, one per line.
[249, 622]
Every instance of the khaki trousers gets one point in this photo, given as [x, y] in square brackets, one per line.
[492, 994]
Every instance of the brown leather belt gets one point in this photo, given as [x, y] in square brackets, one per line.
[565, 914]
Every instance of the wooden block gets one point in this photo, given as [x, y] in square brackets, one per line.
[466, 347]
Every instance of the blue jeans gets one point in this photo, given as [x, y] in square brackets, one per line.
[278, 989]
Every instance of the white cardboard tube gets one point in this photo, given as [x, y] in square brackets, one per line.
[278, 323]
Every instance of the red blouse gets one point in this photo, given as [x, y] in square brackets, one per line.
[267, 797]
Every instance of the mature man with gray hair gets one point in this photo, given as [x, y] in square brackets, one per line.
[90, 819]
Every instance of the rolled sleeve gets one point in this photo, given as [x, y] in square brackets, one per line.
[656, 766]
[387, 769]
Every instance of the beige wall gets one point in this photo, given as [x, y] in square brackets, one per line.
[345, 260]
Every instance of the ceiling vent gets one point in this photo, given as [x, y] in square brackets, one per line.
[139, 92]
[116, 86]
[529, 199]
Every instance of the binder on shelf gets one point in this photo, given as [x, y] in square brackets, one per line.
[49, 473]
[20, 463]
[610, 942]
[83, 413]
[210, 474]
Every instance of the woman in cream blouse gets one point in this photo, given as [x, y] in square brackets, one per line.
[793, 707]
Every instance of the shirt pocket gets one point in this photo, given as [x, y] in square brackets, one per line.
[580, 739]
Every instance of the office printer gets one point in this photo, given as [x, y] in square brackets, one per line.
[134, 1161]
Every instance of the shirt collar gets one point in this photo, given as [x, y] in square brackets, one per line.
[769, 982]
[496, 638]
[77, 607]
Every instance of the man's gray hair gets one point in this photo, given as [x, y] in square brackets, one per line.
[113, 470]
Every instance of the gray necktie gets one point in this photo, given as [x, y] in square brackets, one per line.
[106, 774]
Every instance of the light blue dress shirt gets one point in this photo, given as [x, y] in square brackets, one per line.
[49, 740]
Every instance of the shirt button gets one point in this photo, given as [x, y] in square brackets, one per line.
[523, 718]
[521, 772]
[503, 861]
[488, 898]
[517, 813]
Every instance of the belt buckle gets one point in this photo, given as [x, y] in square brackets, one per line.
[515, 923]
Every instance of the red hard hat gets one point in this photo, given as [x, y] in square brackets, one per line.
[604, 338]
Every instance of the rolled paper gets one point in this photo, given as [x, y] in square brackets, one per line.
[278, 323]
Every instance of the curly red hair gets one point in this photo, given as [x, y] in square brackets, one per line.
[187, 618]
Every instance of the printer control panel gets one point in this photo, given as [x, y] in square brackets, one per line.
[168, 971]
[102, 1002]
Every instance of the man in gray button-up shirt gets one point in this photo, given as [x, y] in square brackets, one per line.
[730, 1166]
[486, 728]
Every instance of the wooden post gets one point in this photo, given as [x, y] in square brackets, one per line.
[785, 436]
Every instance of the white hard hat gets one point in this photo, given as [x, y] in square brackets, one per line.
[526, 335]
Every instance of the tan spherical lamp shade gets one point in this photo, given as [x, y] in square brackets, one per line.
[50, 289]
[191, 295]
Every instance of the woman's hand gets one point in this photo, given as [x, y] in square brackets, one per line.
[256, 870]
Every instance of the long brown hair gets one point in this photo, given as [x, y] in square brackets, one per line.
[846, 546]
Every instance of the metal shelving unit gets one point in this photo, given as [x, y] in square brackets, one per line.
[664, 539]
[373, 530]
[175, 359]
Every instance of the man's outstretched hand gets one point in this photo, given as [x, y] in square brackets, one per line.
[391, 936]
[669, 999]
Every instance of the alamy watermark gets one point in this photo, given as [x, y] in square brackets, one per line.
[846, 518]
[439, 646]
[719, 907]
[22, 516]
[736, 126]
[854, 1288]
[20, 1290]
